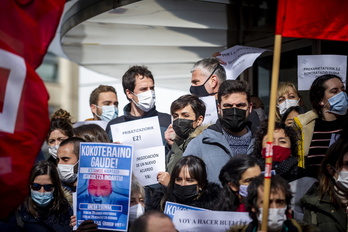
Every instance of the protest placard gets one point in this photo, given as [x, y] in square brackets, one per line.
[312, 66]
[103, 187]
[210, 110]
[147, 163]
[171, 207]
[238, 58]
[141, 133]
[201, 221]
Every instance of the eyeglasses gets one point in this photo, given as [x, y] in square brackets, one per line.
[47, 187]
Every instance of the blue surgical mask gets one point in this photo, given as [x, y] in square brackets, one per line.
[42, 198]
[243, 190]
[338, 103]
[109, 112]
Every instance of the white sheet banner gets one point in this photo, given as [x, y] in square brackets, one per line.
[312, 66]
[238, 58]
[201, 221]
[141, 133]
[147, 163]
[210, 110]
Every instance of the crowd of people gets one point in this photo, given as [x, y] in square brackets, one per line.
[211, 166]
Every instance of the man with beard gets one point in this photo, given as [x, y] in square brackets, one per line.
[230, 135]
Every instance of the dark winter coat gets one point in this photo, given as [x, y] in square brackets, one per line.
[207, 199]
[288, 169]
[22, 220]
[322, 213]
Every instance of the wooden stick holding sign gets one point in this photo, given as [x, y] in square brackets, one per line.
[271, 120]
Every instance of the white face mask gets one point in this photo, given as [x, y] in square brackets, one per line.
[146, 100]
[52, 150]
[108, 112]
[342, 180]
[286, 105]
[243, 190]
[276, 218]
[136, 211]
[66, 173]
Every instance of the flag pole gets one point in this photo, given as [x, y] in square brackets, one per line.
[271, 124]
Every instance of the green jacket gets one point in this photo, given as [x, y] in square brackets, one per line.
[178, 148]
[322, 213]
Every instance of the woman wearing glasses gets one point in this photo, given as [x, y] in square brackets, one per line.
[45, 209]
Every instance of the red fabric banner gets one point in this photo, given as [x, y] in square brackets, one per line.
[313, 19]
[26, 30]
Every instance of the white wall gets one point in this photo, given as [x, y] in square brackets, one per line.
[89, 80]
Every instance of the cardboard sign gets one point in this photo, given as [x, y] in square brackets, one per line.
[147, 163]
[142, 133]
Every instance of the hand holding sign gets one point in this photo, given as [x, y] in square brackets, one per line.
[163, 178]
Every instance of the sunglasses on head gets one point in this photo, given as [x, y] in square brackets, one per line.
[37, 187]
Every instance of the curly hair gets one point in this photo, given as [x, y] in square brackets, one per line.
[61, 120]
[262, 132]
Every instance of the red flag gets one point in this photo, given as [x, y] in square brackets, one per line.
[313, 19]
[26, 30]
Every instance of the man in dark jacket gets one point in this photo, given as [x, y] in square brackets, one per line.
[139, 87]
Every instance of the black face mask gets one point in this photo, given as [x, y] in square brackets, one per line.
[234, 119]
[200, 90]
[183, 127]
[185, 193]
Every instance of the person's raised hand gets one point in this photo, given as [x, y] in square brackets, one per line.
[163, 178]
[169, 135]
